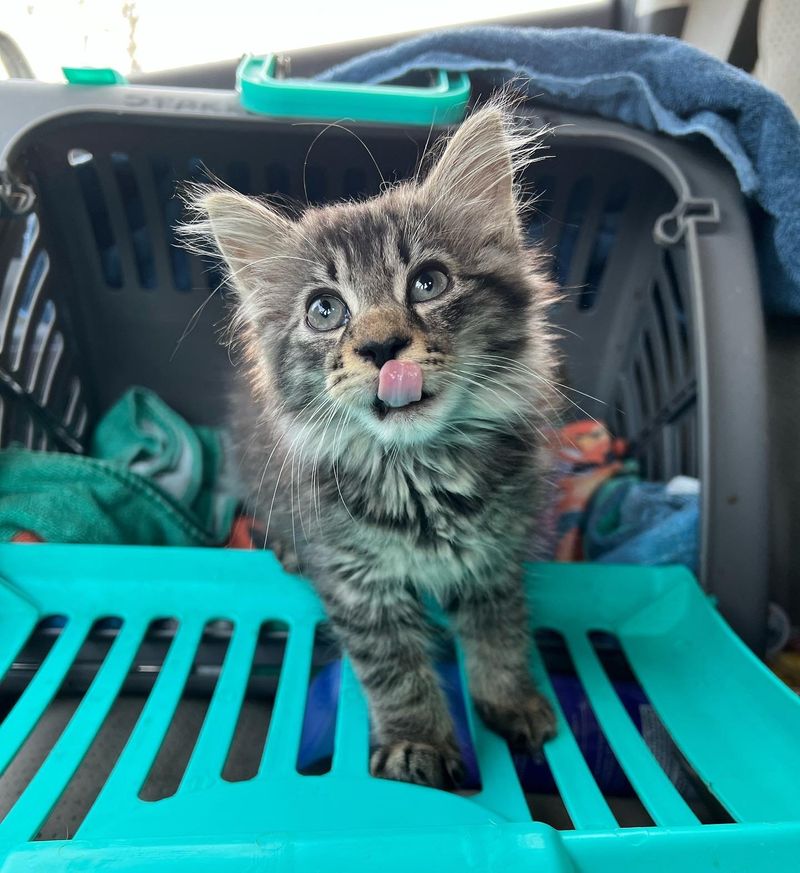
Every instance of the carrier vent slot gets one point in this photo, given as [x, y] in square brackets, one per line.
[600, 757]
[205, 271]
[540, 212]
[51, 359]
[577, 203]
[183, 732]
[315, 180]
[94, 202]
[44, 734]
[605, 239]
[681, 314]
[169, 205]
[354, 183]
[255, 715]
[105, 746]
[38, 350]
[621, 741]
[27, 305]
[136, 218]
[315, 753]
[239, 176]
[276, 177]
[695, 794]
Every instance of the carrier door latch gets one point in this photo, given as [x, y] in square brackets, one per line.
[16, 198]
[670, 227]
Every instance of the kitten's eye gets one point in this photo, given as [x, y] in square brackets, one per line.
[327, 312]
[427, 284]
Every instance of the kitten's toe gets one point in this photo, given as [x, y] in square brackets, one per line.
[420, 763]
[525, 723]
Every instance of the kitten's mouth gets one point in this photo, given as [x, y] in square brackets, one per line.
[399, 392]
[383, 411]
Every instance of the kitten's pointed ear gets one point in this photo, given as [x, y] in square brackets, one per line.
[243, 230]
[476, 167]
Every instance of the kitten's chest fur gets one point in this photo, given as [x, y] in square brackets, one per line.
[436, 516]
[424, 498]
[451, 517]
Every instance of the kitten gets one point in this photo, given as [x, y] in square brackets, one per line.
[399, 370]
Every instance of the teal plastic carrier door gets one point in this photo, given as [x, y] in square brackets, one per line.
[262, 90]
[732, 720]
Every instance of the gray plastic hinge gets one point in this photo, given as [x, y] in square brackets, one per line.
[670, 227]
[16, 198]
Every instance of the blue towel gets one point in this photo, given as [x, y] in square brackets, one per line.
[634, 522]
[656, 83]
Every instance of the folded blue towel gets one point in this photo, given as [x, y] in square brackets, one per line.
[634, 522]
[656, 83]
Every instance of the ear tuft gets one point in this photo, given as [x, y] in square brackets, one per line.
[243, 230]
[476, 170]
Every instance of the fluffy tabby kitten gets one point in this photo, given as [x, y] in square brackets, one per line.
[400, 365]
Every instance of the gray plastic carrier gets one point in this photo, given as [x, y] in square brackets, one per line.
[662, 320]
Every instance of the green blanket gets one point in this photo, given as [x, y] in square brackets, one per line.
[151, 479]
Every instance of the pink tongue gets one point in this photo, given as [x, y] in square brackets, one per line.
[400, 383]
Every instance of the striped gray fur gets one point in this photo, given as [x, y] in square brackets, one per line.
[437, 498]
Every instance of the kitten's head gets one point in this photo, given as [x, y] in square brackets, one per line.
[403, 317]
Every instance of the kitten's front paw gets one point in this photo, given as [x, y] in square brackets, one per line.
[420, 763]
[526, 724]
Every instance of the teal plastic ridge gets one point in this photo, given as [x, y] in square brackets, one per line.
[261, 91]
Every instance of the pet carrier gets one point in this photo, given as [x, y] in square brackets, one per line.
[661, 323]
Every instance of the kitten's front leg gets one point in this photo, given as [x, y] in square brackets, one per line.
[493, 627]
[383, 630]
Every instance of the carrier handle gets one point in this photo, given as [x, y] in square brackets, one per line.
[263, 89]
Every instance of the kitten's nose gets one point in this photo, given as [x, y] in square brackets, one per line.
[381, 351]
